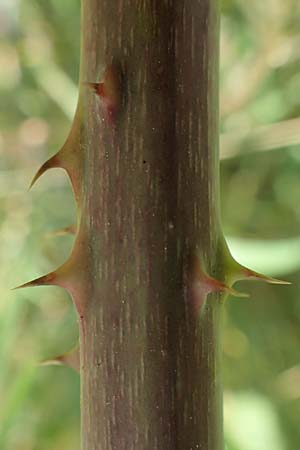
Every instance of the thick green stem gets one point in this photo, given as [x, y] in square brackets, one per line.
[150, 361]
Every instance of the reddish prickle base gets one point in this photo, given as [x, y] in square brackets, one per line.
[200, 284]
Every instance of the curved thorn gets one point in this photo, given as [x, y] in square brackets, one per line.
[97, 87]
[248, 273]
[236, 271]
[70, 359]
[49, 279]
[108, 96]
[109, 89]
[218, 286]
[235, 293]
[50, 164]
[66, 277]
[70, 229]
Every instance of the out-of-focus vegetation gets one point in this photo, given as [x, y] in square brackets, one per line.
[260, 124]
[260, 112]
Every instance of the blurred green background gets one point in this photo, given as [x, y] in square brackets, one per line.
[260, 149]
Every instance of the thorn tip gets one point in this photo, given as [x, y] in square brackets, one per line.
[48, 279]
[248, 273]
[70, 359]
[50, 164]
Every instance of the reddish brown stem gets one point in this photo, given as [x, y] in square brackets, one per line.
[150, 365]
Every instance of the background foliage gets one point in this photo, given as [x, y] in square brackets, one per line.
[260, 147]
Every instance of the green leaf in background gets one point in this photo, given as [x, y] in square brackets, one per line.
[251, 423]
[274, 257]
